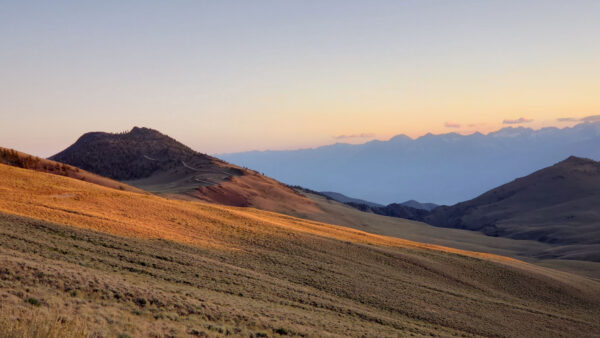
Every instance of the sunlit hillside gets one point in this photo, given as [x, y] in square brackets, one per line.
[155, 162]
[113, 262]
[26, 161]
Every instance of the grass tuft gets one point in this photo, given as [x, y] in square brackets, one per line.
[33, 301]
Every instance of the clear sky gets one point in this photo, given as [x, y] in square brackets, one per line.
[225, 76]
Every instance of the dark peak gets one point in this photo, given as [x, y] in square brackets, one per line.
[93, 135]
[401, 138]
[144, 131]
[574, 160]
[512, 132]
[427, 136]
[135, 131]
[125, 155]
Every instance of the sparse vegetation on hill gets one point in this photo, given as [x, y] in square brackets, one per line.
[137, 154]
[392, 210]
[155, 162]
[559, 205]
[175, 268]
[21, 160]
[545, 254]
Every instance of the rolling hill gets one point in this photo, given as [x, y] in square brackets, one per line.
[558, 205]
[366, 204]
[18, 159]
[149, 160]
[392, 210]
[182, 173]
[419, 205]
[72, 252]
[346, 199]
[553, 255]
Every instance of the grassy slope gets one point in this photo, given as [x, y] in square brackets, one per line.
[557, 204]
[189, 266]
[157, 163]
[543, 254]
[22, 160]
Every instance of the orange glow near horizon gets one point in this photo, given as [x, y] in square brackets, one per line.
[229, 78]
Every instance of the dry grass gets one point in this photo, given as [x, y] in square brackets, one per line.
[38, 323]
[175, 268]
[257, 191]
[75, 203]
[543, 254]
[22, 160]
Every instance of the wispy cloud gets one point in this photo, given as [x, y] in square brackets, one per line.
[451, 125]
[591, 119]
[517, 121]
[349, 136]
[567, 119]
[474, 125]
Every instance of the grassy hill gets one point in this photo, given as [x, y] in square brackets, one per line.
[550, 217]
[157, 163]
[255, 190]
[132, 155]
[84, 258]
[540, 253]
[558, 205]
[18, 159]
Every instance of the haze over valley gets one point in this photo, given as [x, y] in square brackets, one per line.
[442, 169]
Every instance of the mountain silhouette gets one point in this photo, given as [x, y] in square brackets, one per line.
[443, 169]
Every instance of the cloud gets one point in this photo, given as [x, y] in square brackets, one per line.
[347, 136]
[517, 121]
[451, 125]
[474, 125]
[591, 119]
[567, 119]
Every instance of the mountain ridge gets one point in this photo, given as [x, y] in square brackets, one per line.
[443, 169]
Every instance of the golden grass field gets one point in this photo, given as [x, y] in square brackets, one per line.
[539, 253]
[26, 161]
[89, 260]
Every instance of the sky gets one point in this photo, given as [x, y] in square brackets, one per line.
[229, 76]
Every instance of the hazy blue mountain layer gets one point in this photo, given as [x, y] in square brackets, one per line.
[442, 169]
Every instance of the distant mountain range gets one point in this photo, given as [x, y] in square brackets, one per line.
[444, 169]
[355, 201]
[345, 199]
[419, 205]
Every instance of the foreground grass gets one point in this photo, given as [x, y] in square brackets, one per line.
[172, 268]
[36, 323]
[118, 286]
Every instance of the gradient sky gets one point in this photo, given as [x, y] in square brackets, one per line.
[225, 76]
